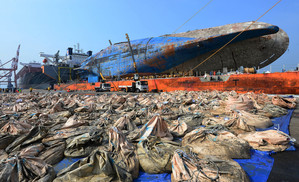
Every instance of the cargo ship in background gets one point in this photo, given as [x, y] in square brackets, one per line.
[179, 61]
[55, 69]
[31, 75]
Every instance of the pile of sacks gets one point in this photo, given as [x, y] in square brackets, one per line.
[193, 135]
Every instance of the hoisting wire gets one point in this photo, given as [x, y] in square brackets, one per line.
[193, 16]
[234, 38]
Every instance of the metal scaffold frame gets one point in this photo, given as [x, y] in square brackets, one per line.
[7, 72]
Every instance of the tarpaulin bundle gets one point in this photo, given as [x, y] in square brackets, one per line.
[21, 107]
[217, 141]
[32, 150]
[57, 107]
[71, 106]
[289, 103]
[178, 128]
[123, 152]
[131, 101]
[14, 127]
[259, 100]
[74, 121]
[25, 168]
[251, 119]
[239, 103]
[192, 120]
[119, 100]
[66, 133]
[190, 167]
[102, 98]
[53, 152]
[6, 139]
[272, 111]
[98, 166]
[235, 124]
[155, 154]
[276, 137]
[155, 127]
[269, 140]
[82, 145]
[36, 134]
[145, 102]
[168, 113]
[125, 123]
[238, 125]
[120, 108]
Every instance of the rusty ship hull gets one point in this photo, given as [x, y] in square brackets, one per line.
[177, 54]
[258, 47]
[269, 83]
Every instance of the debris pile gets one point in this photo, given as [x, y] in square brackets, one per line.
[117, 135]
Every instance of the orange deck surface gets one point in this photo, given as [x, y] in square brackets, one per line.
[270, 83]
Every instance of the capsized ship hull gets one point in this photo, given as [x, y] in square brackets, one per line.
[257, 47]
[269, 83]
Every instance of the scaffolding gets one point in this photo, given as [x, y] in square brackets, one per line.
[6, 73]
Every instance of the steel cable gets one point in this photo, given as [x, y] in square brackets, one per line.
[193, 16]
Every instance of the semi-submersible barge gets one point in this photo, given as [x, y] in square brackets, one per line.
[270, 83]
[174, 54]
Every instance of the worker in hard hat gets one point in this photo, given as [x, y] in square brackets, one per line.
[30, 89]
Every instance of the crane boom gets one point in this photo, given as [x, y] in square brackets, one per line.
[102, 76]
[134, 63]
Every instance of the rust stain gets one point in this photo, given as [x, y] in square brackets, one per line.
[169, 50]
[155, 62]
[190, 44]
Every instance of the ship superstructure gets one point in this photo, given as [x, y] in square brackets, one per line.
[55, 69]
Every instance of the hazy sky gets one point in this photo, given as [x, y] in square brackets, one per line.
[51, 25]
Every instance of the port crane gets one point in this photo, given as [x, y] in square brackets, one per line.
[6, 73]
[136, 85]
[55, 58]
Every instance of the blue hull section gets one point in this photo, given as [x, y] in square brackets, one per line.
[159, 54]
